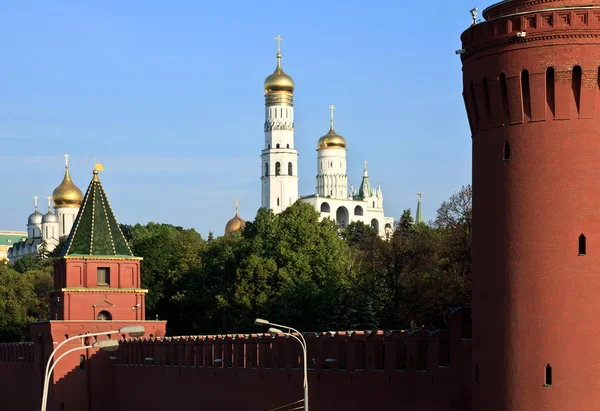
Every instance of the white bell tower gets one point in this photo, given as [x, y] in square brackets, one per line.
[279, 168]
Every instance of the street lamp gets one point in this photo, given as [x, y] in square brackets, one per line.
[131, 330]
[275, 331]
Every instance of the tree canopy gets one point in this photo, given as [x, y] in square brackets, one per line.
[291, 268]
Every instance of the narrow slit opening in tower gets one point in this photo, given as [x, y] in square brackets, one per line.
[548, 382]
[576, 84]
[550, 89]
[525, 92]
[582, 245]
[506, 150]
[475, 109]
[486, 95]
[504, 90]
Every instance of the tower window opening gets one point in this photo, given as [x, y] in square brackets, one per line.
[288, 146]
[277, 146]
[550, 89]
[82, 362]
[504, 90]
[475, 109]
[104, 316]
[576, 85]
[525, 93]
[486, 95]
[290, 169]
[266, 169]
[548, 376]
[277, 200]
[277, 168]
[269, 146]
[103, 276]
[506, 150]
[582, 245]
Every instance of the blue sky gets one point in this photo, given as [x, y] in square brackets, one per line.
[168, 96]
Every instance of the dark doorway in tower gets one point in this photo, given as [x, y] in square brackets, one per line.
[582, 245]
[548, 376]
[104, 316]
[506, 150]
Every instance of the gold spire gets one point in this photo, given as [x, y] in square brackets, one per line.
[236, 223]
[67, 194]
[331, 139]
[279, 82]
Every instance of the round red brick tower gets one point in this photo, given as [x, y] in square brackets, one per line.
[531, 88]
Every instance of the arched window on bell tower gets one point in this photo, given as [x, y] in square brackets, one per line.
[290, 169]
[277, 168]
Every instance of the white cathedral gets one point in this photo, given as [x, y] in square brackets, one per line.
[279, 172]
[44, 231]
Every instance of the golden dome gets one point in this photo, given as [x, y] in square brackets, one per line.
[279, 81]
[331, 140]
[67, 194]
[236, 223]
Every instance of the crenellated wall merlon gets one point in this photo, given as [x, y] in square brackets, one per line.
[379, 350]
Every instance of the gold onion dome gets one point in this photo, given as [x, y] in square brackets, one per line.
[279, 81]
[331, 139]
[236, 223]
[67, 194]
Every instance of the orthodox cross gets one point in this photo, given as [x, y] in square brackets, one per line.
[66, 156]
[236, 206]
[49, 203]
[35, 199]
[365, 165]
[278, 38]
[332, 107]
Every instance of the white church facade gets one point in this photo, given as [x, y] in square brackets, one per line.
[279, 170]
[44, 231]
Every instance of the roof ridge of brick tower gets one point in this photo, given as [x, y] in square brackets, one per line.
[96, 232]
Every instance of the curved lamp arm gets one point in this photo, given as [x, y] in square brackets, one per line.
[291, 329]
[49, 373]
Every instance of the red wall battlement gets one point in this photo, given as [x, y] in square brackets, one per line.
[20, 376]
[347, 370]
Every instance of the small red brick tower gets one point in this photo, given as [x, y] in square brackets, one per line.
[98, 277]
[531, 89]
[96, 290]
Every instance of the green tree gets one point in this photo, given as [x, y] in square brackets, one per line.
[17, 305]
[406, 223]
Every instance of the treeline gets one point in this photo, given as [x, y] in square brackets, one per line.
[293, 269]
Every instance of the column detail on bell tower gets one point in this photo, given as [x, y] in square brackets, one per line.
[279, 158]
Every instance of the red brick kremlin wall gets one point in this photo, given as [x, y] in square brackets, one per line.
[413, 370]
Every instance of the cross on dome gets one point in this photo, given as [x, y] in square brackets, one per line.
[278, 38]
[66, 156]
[35, 201]
[332, 108]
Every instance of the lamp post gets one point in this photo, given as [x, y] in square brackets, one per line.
[131, 330]
[301, 340]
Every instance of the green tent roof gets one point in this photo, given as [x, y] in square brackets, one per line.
[96, 231]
